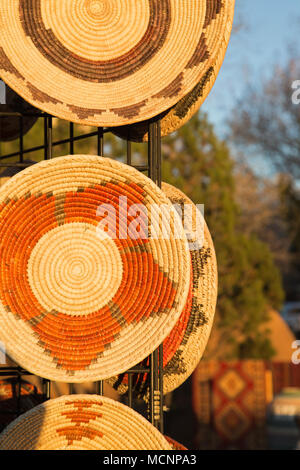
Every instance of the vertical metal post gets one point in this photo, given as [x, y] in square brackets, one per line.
[47, 156]
[100, 152]
[130, 401]
[45, 138]
[158, 153]
[100, 145]
[99, 387]
[71, 138]
[21, 139]
[49, 138]
[129, 153]
[46, 389]
[19, 392]
[156, 358]
[161, 387]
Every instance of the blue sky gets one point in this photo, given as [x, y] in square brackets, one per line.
[269, 29]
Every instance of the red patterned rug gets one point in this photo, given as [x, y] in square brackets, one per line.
[229, 399]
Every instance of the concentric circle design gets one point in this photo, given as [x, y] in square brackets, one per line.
[185, 345]
[120, 18]
[109, 62]
[185, 108]
[67, 266]
[86, 292]
[82, 422]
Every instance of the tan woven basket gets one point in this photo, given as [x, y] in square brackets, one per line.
[185, 345]
[82, 422]
[79, 302]
[184, 109]
[10, 125]
[109, 62]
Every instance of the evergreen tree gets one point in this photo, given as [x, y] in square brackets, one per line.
[197, 162]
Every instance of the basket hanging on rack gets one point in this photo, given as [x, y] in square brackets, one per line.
[82, 422]
[11, 126]
[186, 107]
[86, 291]
[110, 62]
[185, 345]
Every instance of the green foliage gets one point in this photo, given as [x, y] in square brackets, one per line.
[290, 210]
[290, 201]
[199, 163]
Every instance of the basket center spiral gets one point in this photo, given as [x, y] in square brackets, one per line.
[96, 7]
[97, 29]
[74, 270]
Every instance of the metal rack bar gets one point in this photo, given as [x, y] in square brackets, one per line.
[99, 387]
[100, 142]
[71, 138]
[46, 389]
[21, 140]
[50, 143]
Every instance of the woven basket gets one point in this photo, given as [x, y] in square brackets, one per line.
[174, 444]
[184, 109]
[78, 301]
[185, 345]
[10, 126]
[10, 404]
[109, 62]
[82, 422]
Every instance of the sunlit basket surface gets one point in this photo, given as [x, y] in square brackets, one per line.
[78, 301]
[82, 422]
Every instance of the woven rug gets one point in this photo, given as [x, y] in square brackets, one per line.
[229, 399]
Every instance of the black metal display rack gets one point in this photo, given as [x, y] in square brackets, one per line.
[153, 170]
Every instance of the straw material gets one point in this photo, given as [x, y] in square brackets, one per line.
[109, 62]
[185, 345]
[10, 126]
[174, 444]
[78, 301]
[184, 109]
[82, 422]
[30, 396]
